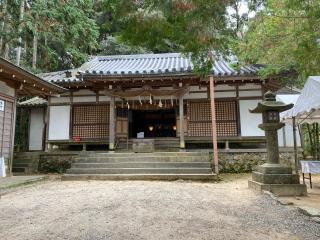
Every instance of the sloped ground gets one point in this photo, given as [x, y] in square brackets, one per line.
[8, 183]
[148, 210]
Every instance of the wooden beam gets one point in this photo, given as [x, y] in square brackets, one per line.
[112, 125]
[181, 123]
[214, 127]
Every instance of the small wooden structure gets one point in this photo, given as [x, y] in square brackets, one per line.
[14, 82]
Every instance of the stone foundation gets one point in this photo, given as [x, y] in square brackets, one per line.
[244, 160]
[230, 161]
[44, 162]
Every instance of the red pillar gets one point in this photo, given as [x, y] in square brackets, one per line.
[214, 127]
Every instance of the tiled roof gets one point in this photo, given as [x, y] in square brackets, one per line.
[146, 64]
[36, 101]
[60, 76]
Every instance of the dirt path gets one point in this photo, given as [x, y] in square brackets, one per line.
[148, 210]
[313, 198]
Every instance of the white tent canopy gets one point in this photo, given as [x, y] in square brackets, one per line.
[307, 106]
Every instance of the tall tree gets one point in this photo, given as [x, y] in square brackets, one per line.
[21, 16]
[3, 21]
[196, 26]
[285, 35]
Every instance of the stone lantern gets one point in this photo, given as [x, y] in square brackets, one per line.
[272, 176]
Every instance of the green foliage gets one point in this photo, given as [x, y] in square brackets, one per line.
[239, 163]
[311, 139]
[285, 36]
[64, 29]
[54, 165]
[187, 26]
[112, 46]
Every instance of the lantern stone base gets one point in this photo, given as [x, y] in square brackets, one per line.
[278, 180]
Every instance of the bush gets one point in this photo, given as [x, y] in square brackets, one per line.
[54, 164]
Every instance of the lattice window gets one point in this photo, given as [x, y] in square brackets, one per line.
[90, 121]
[200, 119]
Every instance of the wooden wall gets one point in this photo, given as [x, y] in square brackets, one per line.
[7, 121]
[89, 112]
[90, 122]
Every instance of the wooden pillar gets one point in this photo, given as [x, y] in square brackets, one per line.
[48, 146]
[181, 123]
[214, 127]
[294, 130]
[112, 125]
[13, 129]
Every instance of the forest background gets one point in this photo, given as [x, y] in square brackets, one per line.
[283, 35]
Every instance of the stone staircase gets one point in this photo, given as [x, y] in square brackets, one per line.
[141, 166]
[25, 163]
[161, 144]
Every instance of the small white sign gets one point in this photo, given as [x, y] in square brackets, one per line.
[1, 105]
[140, 135]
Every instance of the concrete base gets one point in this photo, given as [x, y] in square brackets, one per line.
[279, 189]
[278, 180]
[275, 178]
[268, 168]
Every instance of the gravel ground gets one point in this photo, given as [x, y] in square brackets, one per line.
[148, 210]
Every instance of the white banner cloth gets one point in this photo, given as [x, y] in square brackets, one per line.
[308, 104]
[310, 167]
[2, 168]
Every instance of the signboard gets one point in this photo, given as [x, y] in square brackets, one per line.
[140, 135]
[1, 105]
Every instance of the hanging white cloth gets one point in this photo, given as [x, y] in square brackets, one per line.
[307, 107]
[2, 168]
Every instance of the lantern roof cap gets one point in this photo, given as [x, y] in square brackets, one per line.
[270, 103]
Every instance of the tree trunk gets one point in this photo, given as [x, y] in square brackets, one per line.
[46, 52]
[6, 50]
[22, 5]
[35, 50]
[2, 28]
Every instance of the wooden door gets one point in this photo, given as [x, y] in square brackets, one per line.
[122, 127]
[185, 126]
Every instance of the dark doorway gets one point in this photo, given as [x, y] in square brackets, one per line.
[153, 123]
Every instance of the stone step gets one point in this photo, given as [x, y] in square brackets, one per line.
[144, 165]
[139, 171]
[22, 160]
[133, 158]
[22, 167]
[25, 164]
[18, 169]
[142, 177]
[190, 154]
